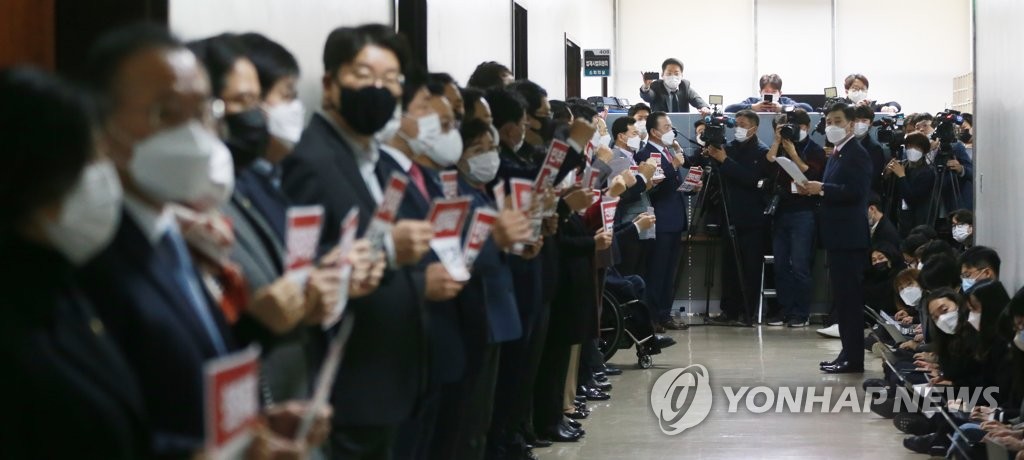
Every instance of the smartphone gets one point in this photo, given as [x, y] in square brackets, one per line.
[651, 75]
[768, 98]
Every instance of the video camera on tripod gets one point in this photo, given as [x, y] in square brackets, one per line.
[891, 131]
[831, 98]
[715, 124]
[945, 132]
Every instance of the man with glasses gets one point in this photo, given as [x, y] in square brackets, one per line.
[335, 164]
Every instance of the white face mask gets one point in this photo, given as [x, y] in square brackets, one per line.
[447, 149]
[391, 128]
[974, 318]
[920, 265]
[519, 145]
[89, 214]
[641, 127]
[914, 155]
[961, 232]
[484, 167]
[174, 165]
[604, 140]
[948, 321]
[672, 81]
[217, 190]
[633, 142]
[1018, 340]
[428, 132]
[742, 134]
[835, 134]
[910, 295]
[861, 128]
[285, 121]
[857, 95]
[668, 138]
[803, 135]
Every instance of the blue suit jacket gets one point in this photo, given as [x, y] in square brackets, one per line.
[669, 203]
[842, 219]
[752, 100]
[491, 285]
[160, 334]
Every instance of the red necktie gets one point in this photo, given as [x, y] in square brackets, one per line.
[417, 178]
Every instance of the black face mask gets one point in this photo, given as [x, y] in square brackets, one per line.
[367, 109]
[547, 128]
[247, 137]
[965, 137]
[881, 266]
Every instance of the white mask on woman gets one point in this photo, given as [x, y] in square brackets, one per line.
[974, 318]
[910, 295]
[948, 322]
[914, 155]
[483, 167]
[89, 214]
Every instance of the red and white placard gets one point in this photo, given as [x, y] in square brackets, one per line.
[447, 217]
[479, 230]
[232, 406]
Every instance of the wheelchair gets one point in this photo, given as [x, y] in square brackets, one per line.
[623, 326]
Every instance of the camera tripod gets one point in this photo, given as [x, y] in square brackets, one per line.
[941, 173]
[714, 177]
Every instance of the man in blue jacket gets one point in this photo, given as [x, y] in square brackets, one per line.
[771, 85]
[845, 234]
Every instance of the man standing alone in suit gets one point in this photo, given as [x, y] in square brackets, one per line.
[672, 94]
[845, 233]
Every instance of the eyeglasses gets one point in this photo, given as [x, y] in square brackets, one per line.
[364, 76]
[172, 113]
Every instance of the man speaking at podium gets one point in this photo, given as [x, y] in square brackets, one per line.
[845, 235]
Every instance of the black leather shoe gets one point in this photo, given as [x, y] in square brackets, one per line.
[539, 443]
[573, 423]
[568, 426]
[663, 341]
[919, 444]
[579, 397]
[560, 434]
[600, 376]
[593, 394]
[577, 415]
[828, 363]
[603, 386]
[843, 367]
[609, 370]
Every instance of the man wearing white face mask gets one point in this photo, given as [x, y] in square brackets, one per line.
[856, 86]
[770, 98]
[963, 227]
[743, 165]
[864, 117]
[845, 233]
[145, 285]
[672, 94]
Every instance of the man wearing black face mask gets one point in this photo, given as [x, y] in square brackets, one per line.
[335, 165]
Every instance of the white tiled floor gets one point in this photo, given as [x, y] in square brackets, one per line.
[626, 428]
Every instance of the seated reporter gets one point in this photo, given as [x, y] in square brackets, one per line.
[770, 85]
[962, 222]
[881, 276]
[74, 393]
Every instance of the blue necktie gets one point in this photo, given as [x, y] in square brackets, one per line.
[185, 276]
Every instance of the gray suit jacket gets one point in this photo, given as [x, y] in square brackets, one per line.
[657, 95]
[253, 239]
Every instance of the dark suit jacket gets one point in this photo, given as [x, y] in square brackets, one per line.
[162, 337]
[258, 186]
[384, 369]
[574, 308]
[843, 217]
[657, 95]
[448, 358]
[878, 161]
[669, 203]
[70, 391]
[886, 232]
[491, 287]
[915, 189]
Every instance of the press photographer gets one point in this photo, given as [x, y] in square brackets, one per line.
[743, 168]
[793, 238]
[911, 191]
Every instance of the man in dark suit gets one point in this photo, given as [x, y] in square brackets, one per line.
[883, 230]
[145, 285]
[743, 165]
[672, 93]
[862, 133]
[844, 189]
[670, 210]
[335, 165]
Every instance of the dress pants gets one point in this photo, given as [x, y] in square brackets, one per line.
[571, 380]
[633, 254]
[414, 436]
[362, 442]
[662, 261]
[549, 389]
[466, 407]
[517, 372]
[846, 275]
[740, 300]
